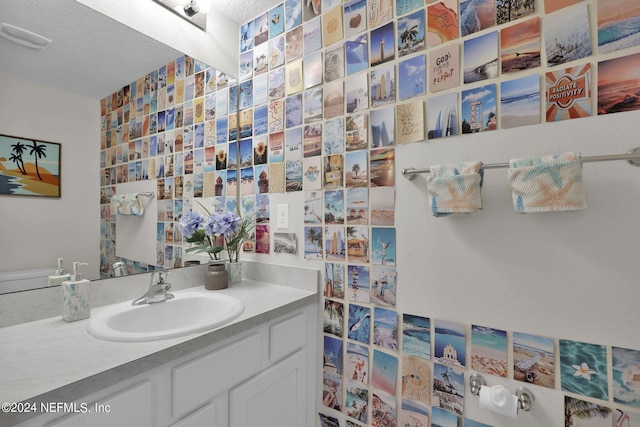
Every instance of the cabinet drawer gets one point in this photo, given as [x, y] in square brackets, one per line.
[287, 336]
[128, 407]
[202, 417]
[198, 380]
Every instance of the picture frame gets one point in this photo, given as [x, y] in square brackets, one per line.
[30, 167]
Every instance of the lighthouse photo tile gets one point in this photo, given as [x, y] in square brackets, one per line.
[358, 280]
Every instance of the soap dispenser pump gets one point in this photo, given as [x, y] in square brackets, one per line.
[76, 294]
[59, 275]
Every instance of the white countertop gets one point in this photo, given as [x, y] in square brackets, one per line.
[40, 359]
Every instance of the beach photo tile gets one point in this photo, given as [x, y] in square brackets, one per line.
[383, 124]
[357, 403]
[294, 82]
[520, 46]
[333, 318]
[384, 371]
[382, 82]
[357, 210]
[382, 45]
[413, 414]
[277, 84]
[568, 93]
[276, 20]
[379, 12]
[481, 58]
[626, 376]
[354, 17]
[356, 174]
[450, 343]
[261, 207]
[334, 280]
[382, 167]
[534, 359]
[293, 110]
[442, 22]
[293, 143]
[583, 369]
[520, 102]
[567, 35]
[472, 423]
[442, 116]
[507, 10]
[334, 207]
[293, 175]
[416, 379]
[357, 93]
[405, 6]
[246, 72]
[311, 35]
[411, 33]
[358, 280]
[356, 132]
[334, 243]
[416, 336]
[358, 245]
[312, 207]
[332, 27]
[443, 418]
[312, 70]
[294, 43]
[312, 140]
[384, 285]
[334, 64]
[359, 323]
[615, 78]
[333, 138]
[410, 123]
[356, 54]
[311, 173]
[313, 243]
[447, 393]
[383, 246]
[332, 388]
[261, 29]
[333, 99]
[411, 78]
[357, 363]
[476, 15]
[292, 13]
[479, 109]
[328, 421]
[313, 103]
[382, 206]
[489, 350]
[385, 328]
[580, 413]
[618, 25]
[384, 412]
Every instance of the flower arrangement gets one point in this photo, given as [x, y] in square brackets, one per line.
[216, 232]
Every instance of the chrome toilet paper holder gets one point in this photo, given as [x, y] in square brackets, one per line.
[524, 395]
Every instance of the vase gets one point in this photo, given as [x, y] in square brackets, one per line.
[235, 272]
[216, 277]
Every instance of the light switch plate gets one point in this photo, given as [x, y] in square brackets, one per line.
[282, 216]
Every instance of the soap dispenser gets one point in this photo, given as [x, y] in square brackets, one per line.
[76, 294]
[58, 276]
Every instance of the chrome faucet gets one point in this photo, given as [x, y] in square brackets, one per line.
[119, 269]
[157, 291]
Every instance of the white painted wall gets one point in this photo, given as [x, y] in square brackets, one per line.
[35, 231]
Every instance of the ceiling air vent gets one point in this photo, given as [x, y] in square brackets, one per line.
[24, 37]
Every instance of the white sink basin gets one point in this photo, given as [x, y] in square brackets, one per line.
[187, 313]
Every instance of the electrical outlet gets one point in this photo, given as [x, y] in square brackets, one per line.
[282, 216]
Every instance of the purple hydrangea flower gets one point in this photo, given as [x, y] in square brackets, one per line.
[190, 223]
[222, 224]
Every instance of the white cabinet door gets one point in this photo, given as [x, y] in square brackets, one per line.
[274, 398]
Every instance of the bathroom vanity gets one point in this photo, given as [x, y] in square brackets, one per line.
[260, 369]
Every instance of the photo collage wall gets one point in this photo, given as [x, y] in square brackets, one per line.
[331, 87]
[326, 90]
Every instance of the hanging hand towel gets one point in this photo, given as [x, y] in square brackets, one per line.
[127, 204]
[455, 188]
[547, 183]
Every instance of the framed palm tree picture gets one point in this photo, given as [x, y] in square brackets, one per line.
[29, 167]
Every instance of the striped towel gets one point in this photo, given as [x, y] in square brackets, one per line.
[547, 183]
[127, 204]
[455, 189]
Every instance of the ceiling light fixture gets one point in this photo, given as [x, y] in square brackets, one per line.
[24, 37]
[191, 8]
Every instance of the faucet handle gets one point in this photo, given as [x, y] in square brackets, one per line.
[162, 276]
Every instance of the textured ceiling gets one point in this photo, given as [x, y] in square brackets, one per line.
[91, 54]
